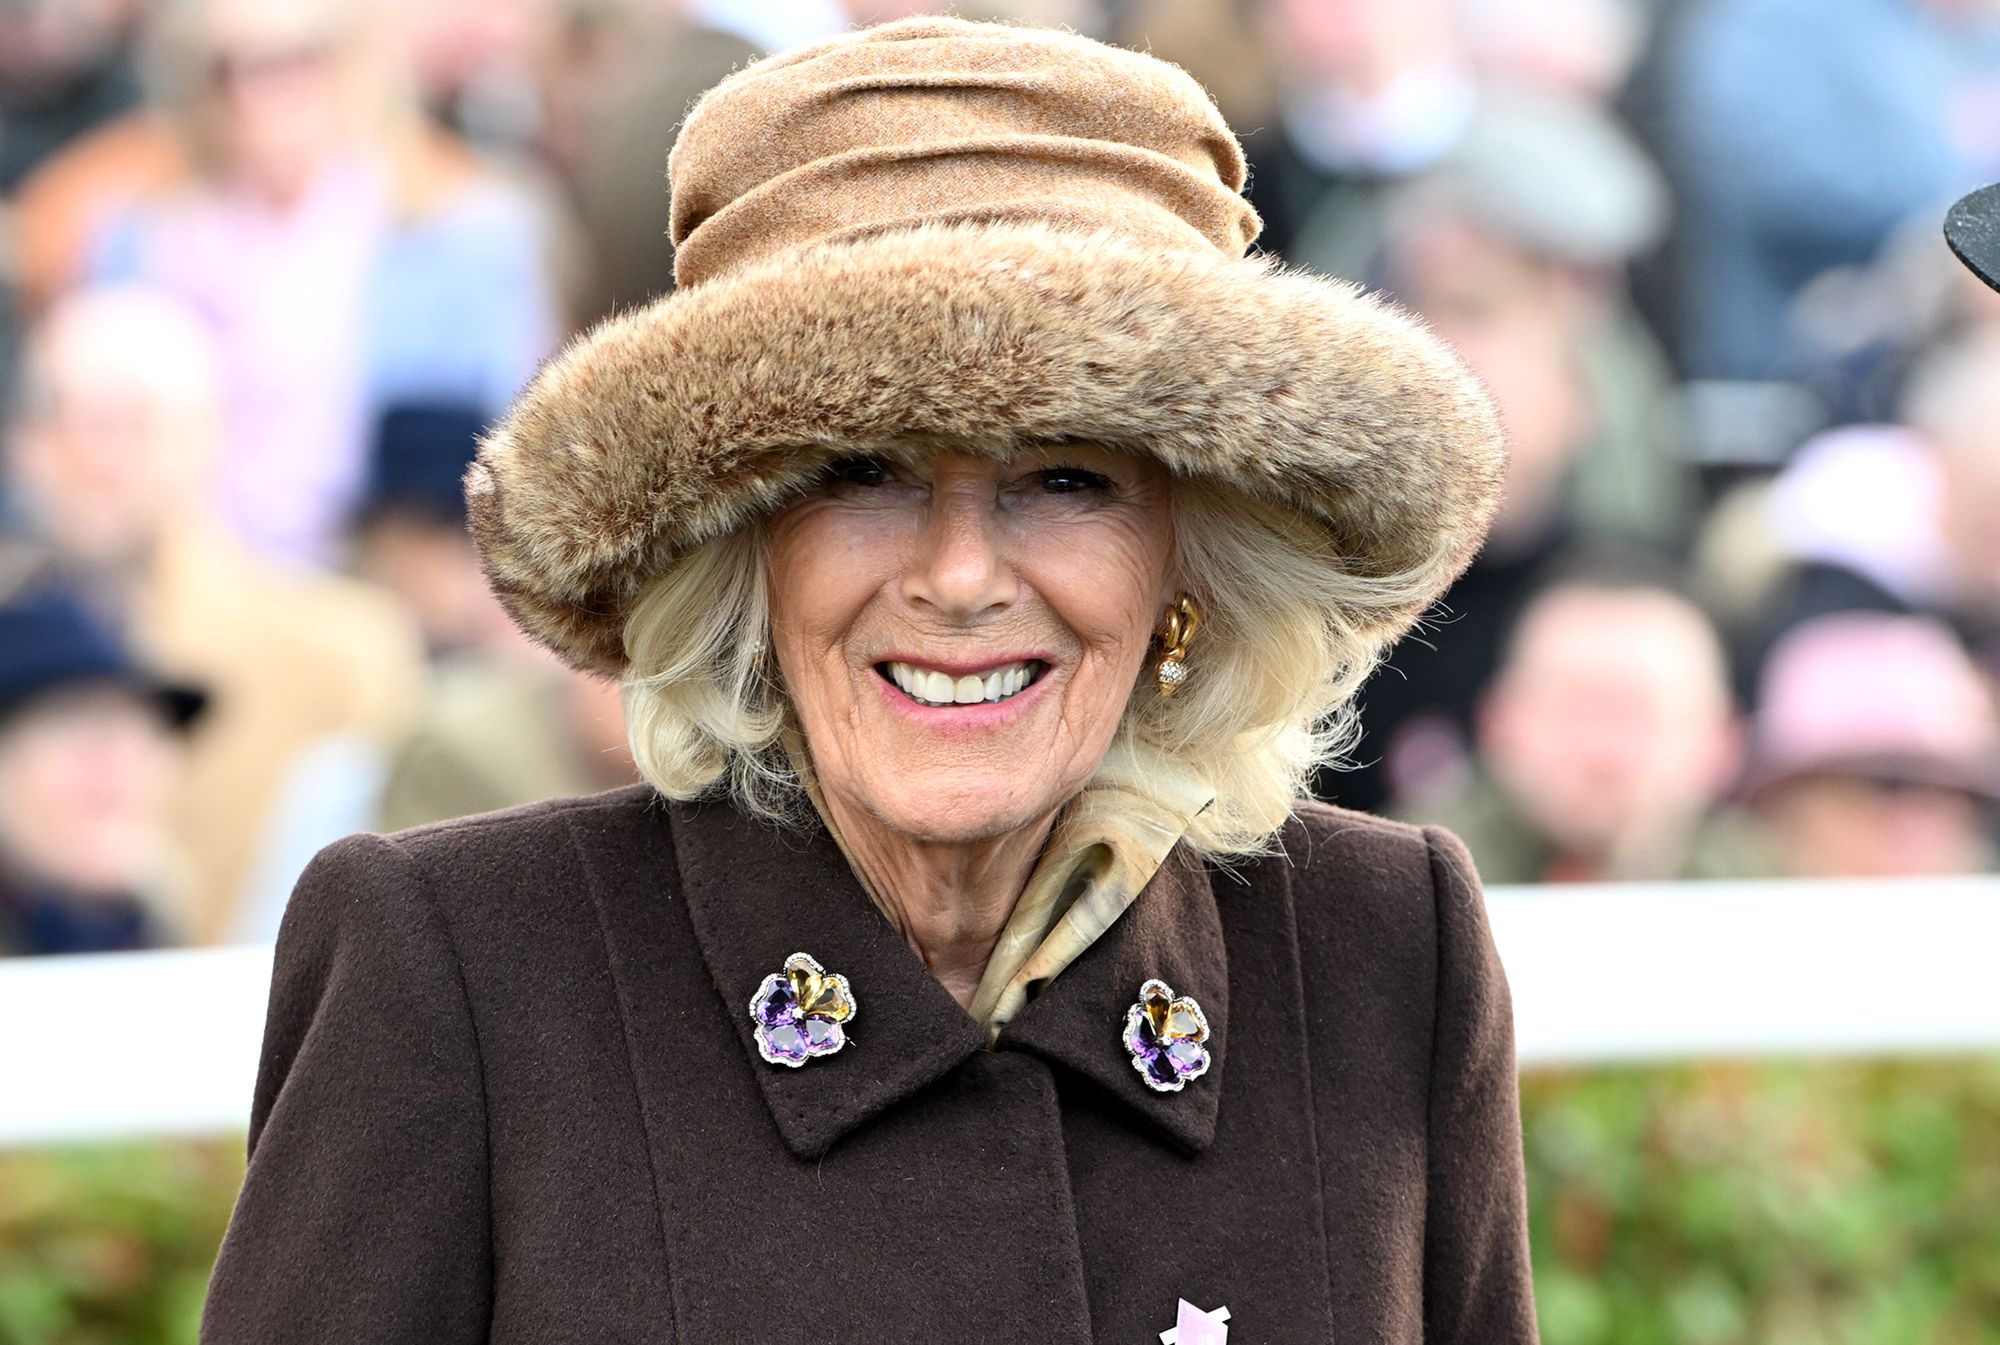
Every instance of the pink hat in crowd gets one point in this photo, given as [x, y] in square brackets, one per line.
[1888, 697]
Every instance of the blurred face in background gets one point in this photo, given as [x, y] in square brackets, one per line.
[1609, 724]
[459, 42]
[1954, 405]
[45, 44]
[1515, 318]
[1970, 499]
[1364, 45]
[1851, 826]
[1585, 47]
[86, 783]
[278, 86]
[430, 564]
[118, 424]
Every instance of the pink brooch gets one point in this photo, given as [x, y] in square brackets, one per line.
[1164, 1032]
[799, 1012]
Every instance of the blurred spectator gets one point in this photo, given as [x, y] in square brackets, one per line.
[482, 68]
[347, 257]
[768, 27]
[409, 535]
[89, 765]
[65, 67]
[1888, 518]
[501, 722]
[111, 458]
[1876, 751]
[1513, 249]
[1605, 743]
[1954, 405]
[1582, 48]
[621, 179]
[65, 203]
[505, 730]
[1800, 133]
[1370, 92]
[1863, 329]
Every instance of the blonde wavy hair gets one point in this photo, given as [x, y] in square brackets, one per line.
[1289, 633]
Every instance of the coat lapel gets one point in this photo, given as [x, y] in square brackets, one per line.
[1038, 1148]
[756, 894]
[1172, 932]
[809, 1226]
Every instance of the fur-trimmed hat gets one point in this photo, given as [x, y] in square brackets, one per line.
[984, 234]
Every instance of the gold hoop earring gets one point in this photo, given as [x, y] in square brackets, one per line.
[1175, 634]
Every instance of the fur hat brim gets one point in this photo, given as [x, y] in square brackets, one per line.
[673, 424]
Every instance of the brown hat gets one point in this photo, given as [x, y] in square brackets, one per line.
[981, 234]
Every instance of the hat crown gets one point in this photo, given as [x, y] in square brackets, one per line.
[936, 120]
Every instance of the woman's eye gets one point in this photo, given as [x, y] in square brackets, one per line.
[857, 471]
[1070, 480]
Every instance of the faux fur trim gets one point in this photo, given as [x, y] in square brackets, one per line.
[673, 424]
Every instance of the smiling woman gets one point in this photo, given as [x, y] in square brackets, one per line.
[988, 550]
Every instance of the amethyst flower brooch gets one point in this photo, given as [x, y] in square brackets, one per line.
[799, 1012]
[1164, 1033]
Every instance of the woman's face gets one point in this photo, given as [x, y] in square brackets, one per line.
[959, 636]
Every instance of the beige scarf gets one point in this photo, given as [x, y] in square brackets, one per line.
[1106, 845]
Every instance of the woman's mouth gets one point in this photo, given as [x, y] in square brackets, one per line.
[929, 686]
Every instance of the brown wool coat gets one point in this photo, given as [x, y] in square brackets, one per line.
[509, 1093]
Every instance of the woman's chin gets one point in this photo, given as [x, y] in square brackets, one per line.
[955, 811]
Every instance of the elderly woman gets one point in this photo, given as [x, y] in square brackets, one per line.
[989, 551]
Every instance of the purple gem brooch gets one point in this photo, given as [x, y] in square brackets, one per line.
[799, 1012]
[1164, 1033]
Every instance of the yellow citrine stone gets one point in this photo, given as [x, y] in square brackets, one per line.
[818, 994]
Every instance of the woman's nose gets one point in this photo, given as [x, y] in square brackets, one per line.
[960, 568]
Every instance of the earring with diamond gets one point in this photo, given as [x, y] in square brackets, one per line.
[1174, 635]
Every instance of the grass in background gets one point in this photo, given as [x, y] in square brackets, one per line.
[1816, 1203]
[112, 1244]
[1821, 1203]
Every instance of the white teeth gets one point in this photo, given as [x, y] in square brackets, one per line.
[930, 687]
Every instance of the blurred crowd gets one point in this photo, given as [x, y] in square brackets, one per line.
[267, 270]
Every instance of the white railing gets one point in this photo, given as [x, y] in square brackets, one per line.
[166, 1043]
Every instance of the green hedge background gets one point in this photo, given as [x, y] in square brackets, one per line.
[1800, 1203]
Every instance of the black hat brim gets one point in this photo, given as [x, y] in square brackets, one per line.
[1972, 228]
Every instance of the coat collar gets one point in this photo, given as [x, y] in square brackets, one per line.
[755, 894]
[1173, 932]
